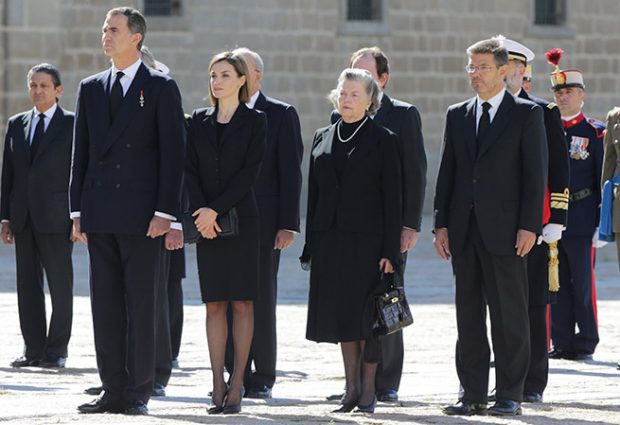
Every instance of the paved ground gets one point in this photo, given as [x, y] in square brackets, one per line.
[580, 393]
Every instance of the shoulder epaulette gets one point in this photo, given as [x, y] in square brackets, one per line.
[598, 126]
[551, 105]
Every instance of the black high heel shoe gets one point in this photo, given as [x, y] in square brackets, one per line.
[345, 407]
[232, 409]
[369, 408]
[215, 409]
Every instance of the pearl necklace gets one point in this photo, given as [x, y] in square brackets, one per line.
[352, 135]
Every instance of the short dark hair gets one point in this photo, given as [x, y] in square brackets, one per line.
[241, 68]
[383, 66]
[491, 46]
[47, 68]
[135, 21]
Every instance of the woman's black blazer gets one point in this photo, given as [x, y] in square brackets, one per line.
[223, 177]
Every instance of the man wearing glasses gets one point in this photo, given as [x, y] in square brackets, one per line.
[488, 211]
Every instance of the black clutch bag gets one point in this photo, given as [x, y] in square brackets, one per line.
[391, 307]
[228, 222]
[190, 232]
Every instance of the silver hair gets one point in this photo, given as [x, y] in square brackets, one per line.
[258, 61]
[369, 83]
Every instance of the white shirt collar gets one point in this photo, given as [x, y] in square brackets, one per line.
[130, 71]
[48, 114]
[495, 101]
[253, 99]
[571, 117]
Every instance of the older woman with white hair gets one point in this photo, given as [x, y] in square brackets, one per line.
[352, 231]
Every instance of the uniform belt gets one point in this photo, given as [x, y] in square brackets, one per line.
[580, 194]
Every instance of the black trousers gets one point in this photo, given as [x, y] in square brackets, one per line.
[163, 348]
[36, 252]
[390, 368]
[501, 282]
[576, 302]
[263, 353]
[124, 280]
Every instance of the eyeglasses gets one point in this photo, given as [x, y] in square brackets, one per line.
[482, 68]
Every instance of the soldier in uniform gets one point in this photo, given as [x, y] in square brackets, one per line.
[527, 78]
[576, 303]
[554, 221]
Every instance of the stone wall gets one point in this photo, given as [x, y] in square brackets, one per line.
[305, 44]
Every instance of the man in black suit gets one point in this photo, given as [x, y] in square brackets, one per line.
[277, 193]
[488, 210]
[125, 190]
[404, 120]
[554, 221]
[35, 215]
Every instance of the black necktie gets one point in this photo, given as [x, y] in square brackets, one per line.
[38, 135]
[485, 121]
[116, 95]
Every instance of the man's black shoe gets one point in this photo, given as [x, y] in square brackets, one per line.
[24, 361]
[93, 390]
[53, 362]
[532, 397]
[582, 356]
[505, 408]
[102, 404]
[258, 392]
[387, 396]
[558, 353]
[466, 408]
[137, 407]
[158, 390]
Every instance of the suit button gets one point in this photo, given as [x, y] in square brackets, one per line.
[118, 165]
[118, 185]
[128, 145]
[474, 181]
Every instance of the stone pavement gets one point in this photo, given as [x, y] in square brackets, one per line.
[579, 392]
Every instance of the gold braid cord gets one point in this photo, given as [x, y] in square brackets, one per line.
[554, 271]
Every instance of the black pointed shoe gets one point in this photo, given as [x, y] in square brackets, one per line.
[558, 353]
[532, 397]
[369, 408]
[52, 361]
[24, 361]
[103, 404]
[465, 408]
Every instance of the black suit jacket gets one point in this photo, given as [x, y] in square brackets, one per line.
[367, 197]
[559, 168]
[223, 178]
[404, 120]
[278, 186]
[503, 180]
[125, 171]
[37, 186]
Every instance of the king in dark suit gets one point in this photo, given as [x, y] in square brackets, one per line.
[35, 215]
[488, 210]
[128, 155]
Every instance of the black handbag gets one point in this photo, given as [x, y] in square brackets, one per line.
[391, 307]
[228, 222]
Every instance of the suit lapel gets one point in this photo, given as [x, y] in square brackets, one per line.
[27, 122]
[129, 107]
[470, 127]
[383, 114]
[53, 128]
[501, 119]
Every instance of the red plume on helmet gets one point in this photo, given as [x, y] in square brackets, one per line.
[554, 56]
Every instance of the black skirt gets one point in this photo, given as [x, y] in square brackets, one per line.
[228, 267]
[344, 278]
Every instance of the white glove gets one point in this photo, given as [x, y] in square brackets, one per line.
[551, 232]
[596, 242]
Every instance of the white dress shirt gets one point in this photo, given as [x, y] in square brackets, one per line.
[495, 101]
[46, 121]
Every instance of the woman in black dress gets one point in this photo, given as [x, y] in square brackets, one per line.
[352, 231]
[225, 146]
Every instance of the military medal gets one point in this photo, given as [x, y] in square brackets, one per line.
[142, 98]
[579, 147]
